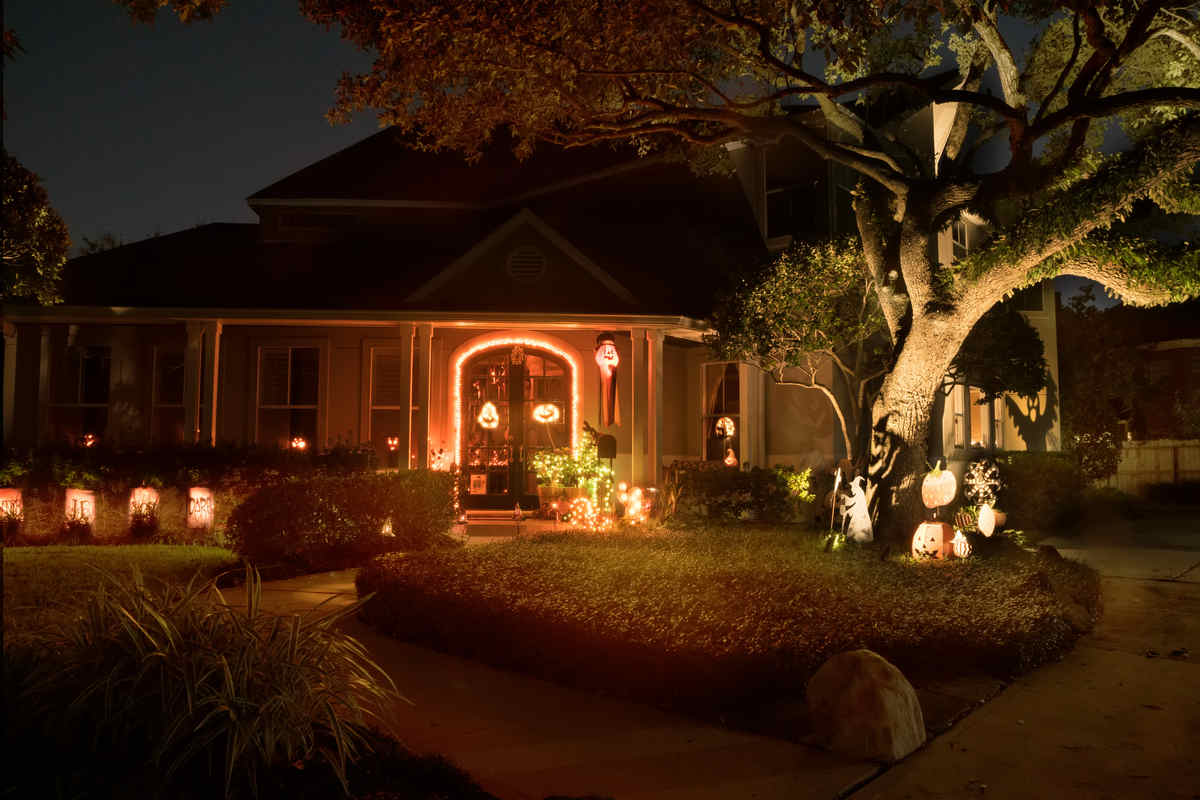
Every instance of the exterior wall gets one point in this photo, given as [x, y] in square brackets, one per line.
[801, 426]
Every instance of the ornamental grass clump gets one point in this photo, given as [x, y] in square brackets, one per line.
[162, 688]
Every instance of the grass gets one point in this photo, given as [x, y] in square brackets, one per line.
[711, 621]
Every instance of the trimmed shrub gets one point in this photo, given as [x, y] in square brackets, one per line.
[1041, 491]
[329, 523]
[711, 490]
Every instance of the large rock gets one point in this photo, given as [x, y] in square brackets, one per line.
[861, 706]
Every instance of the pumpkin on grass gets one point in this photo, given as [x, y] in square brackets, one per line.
[933, 540]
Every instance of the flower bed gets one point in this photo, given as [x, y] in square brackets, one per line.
[710, 622]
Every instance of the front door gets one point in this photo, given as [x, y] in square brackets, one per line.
[516, 402]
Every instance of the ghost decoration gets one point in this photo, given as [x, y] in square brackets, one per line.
[607, 359]
[855, 520]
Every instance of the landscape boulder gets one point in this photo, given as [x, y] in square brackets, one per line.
[861, 706]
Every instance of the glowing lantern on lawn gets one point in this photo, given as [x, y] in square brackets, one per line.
[726, 426]
[488, 417]
[932, 540]
[584, 514]
[546, 413]
[960, 545]
[607, 359]
[11, 506]
[938, 488]
[731, 459]
[987, 520]
[80, 506]
[142, 499]
[200, 507]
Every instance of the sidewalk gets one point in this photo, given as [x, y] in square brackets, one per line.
[526, 739]
[1119, 717]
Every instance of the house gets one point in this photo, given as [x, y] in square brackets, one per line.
[442, 312]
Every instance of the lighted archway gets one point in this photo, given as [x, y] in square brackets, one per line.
[464, 352]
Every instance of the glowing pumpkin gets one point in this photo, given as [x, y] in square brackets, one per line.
[731, 459]
[489, 417]
[299, 443]
[393, 443]
[546, 413]
[938, 488]
[932, 540]
[987, 520]
[962, 547]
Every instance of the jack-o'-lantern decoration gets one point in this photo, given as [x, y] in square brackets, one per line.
[932, 540]
[546, 413]
[731, 459]
[393, 443]
[960, 545]
[607, 359]
[489, 417]
[987, 520]
[938, 488]
[200, 507]
[298, 443]
[726, 427]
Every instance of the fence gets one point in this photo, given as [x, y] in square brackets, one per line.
[1156, 461]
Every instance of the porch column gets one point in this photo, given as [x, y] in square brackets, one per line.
[638, 405]
[209, 388]
[423, 347]
[654, 407]
[43, 397]
[192, 384]
[10, 379]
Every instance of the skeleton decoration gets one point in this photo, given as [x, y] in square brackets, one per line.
[607, 360]
[856, 521]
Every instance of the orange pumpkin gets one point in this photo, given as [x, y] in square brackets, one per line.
[932, 540]
[938, 488]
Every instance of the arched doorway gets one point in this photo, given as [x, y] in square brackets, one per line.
[515, 400]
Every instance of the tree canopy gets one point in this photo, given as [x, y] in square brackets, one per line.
[35, 238]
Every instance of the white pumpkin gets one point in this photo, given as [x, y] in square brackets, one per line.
[987, 520]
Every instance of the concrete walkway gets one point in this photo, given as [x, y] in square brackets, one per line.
[1119, 717]
[526, 739]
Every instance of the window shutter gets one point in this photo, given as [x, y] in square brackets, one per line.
[273, 368]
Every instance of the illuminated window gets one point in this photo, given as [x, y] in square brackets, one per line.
[979, 415]
[959, 399]
[998, 417]
[288, 383]
[958, 237]
[81, 391]
[721, 400]
[167, 414]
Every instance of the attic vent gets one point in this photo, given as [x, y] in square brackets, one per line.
[526, 264]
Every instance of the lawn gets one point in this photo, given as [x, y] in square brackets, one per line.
[713, 621]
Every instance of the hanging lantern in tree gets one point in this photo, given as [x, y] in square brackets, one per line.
[962, 547]
[607, 359]
[938, 488]
[987, 520]
[489, 417]
[932, 540]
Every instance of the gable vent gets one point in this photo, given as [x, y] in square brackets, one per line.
[526, 264]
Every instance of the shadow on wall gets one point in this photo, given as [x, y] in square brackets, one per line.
[1034, 418]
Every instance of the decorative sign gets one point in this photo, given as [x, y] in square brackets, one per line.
[725, 427]
[80, 506]
[546, 413]
[607, 359]
[200, 507]
[488, 417]
[11, 506]
[479, 483]
[142, 499]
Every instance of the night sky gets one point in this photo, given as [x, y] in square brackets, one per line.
[137, 129]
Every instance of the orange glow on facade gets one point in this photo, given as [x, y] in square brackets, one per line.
[509, 341]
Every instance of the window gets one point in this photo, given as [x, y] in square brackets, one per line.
[391, 393]
[167, 414]
[980, 414]
[288, 380]
[722, 418]
[998, 419]
[959, 397]
[958, 238]
[80, 399]
[1029, 299]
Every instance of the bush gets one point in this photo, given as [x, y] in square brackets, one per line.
[1097, 455]
[713, 491]
[1182, 493]
[1041, 490]
[329, 523]
[165, 681]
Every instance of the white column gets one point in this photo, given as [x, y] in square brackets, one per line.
[210, 389]
[654, 407]
[421, 394]
[638, 410]
[10, 380]
[43, 400]
[192, 384]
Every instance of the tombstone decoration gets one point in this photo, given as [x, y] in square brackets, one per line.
[11, 506]
[856, 520]
[80, 506]
[141, 499]
[200, 508]
[607, 359]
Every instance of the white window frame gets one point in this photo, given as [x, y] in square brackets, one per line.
[322, 347]
[959, 398]
[78, 401]
[960, 243]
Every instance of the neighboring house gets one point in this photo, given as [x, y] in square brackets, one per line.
[1171, 369]
[388, 296]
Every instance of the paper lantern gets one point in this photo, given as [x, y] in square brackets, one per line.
[960, 545]
[726, 427]
[489, 417]
[200, 507]
[142, 499]
[80, 506]
[546, 413]
[938, 488]
[11, 506]
[987, 520]
[932, 540]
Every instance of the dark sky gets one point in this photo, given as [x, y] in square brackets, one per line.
[140, 129]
